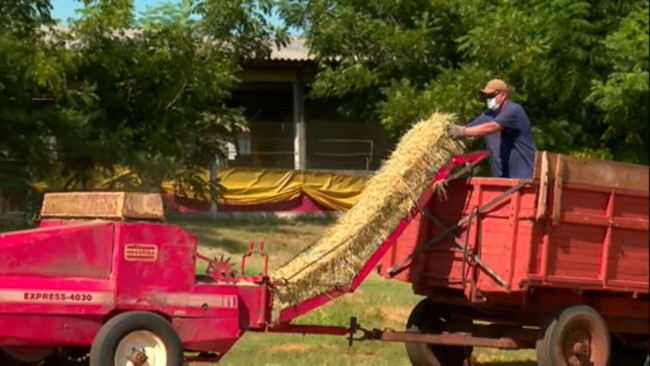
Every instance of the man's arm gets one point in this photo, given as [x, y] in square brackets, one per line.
[482, 126]
[483, 129]
[505, 119]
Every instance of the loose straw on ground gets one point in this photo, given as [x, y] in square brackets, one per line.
[335, 259]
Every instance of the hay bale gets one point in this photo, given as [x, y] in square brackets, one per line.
[335, 259]
[103, 205]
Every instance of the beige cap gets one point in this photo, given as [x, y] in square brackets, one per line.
[494, 85]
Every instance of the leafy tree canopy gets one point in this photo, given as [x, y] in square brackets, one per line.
[150, 94]
[147, 94]
[579, 68]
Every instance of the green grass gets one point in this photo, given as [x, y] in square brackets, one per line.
[379, 303]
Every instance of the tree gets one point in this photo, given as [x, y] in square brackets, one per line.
[148, 95]
[25, 76]
[398, 61]
[622, 96]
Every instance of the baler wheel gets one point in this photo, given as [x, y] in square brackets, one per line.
[135, 337]
[573, 336]
[428, 317]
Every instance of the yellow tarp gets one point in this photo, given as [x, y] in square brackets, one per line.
[264, 186]
[246, 186]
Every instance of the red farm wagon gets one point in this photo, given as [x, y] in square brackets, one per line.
[558, 263]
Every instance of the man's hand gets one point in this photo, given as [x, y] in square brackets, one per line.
[455, 131]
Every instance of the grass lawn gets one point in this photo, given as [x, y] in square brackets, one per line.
[379, 303]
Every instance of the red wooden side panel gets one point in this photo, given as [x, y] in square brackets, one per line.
[600, 242]
[502, 237]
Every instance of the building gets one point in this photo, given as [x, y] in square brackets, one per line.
[291, 131]
[287, 130]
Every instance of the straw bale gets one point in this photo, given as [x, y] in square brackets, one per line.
[336, 258]
[105, 205]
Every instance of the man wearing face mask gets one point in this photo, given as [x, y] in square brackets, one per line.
[507, 130]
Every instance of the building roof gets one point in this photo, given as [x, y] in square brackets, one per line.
[294, 50]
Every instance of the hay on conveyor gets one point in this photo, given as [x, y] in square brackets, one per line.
[335, 259]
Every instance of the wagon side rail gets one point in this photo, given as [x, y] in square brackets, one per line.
[445, 174]
[560, 176]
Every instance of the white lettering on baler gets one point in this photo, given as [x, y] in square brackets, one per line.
[34, 296]
[197, 300]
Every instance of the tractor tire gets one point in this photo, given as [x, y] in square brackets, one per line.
[575, 335]
[126, 333]
[427, 317]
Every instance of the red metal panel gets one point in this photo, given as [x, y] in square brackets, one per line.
[208, 333]
[405, 244]
[79, 250]
[506, 232]
[31, 330]
[255, 300]
[600, 241]
[174, 271]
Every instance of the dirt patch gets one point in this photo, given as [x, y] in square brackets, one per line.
[396, 314]
[291, 347]
[360, 356]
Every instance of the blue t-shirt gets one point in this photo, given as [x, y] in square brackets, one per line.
[512, 150]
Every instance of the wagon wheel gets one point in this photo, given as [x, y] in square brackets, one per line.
[137, 339]
[427, 317]
[575, 336]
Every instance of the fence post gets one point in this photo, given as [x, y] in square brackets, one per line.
[29, 198]
[214, 166]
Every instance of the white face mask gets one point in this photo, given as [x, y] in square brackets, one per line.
[492, 104]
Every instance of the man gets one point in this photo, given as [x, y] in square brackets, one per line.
[507, 130]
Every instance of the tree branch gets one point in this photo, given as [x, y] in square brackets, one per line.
[177, 96]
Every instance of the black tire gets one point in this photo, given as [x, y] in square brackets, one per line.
[626, 356]
[426, 317]
[102, 351]
[561, 331]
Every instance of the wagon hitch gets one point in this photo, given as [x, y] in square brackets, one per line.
[368, 334]
[460, 338]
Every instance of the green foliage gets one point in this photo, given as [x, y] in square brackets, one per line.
[622, 97]
[25, 72]
[150, 93]
[580, 68]
[147, 94]
[23, 16]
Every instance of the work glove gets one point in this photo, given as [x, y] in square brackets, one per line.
[455, 131]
